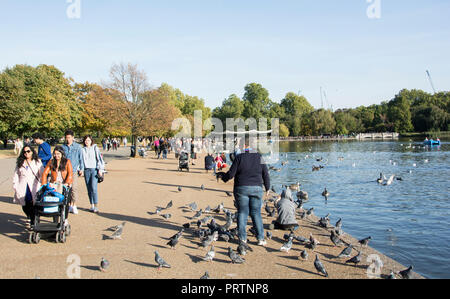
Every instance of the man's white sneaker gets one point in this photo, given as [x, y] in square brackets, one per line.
[75, 210]
[262, 243]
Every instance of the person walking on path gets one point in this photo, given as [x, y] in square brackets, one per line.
[156, 144]
[26, 181]
[94, 168]
[249, 173]
[125, 141]
[18, 146]
[44, 149]
[73, 153]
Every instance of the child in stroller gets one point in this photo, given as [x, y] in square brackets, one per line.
[183, 161]
[52, 202]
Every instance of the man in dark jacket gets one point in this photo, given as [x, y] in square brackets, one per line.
[249, 173]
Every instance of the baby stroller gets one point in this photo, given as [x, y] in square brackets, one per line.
[51, 204]
[183, 161]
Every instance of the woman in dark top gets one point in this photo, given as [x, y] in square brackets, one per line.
[249, 173]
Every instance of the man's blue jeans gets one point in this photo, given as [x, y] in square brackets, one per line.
[248, 201]
[90, 177]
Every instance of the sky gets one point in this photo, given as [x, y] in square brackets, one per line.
[214, 48]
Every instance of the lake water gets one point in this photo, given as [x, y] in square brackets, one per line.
[408, 221]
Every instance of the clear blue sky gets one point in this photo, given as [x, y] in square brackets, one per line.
[213, 48]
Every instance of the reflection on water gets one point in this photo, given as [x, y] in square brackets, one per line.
[407, 220]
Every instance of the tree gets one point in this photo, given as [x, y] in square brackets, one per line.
[296, 110]
[37, 99]
[162, 110]
[322, 122]
[232, 107]
[256, 101]
[103, 110]
[284, 130]
[399, 113]
[132, 84]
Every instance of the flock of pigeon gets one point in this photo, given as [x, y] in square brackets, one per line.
[204, 226]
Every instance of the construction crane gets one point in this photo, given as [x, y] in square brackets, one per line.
[431, 82]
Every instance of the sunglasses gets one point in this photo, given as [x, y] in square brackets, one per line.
[27, 152]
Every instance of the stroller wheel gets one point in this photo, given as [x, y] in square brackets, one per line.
[61, 237]
[36, 238]
[68, 230]
[30, 238]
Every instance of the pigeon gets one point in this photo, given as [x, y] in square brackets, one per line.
[269, 235]
[407, 274]
[346, 252]
[355, 260]
[117, 227]
[210, 255]
[365, 242]
[219, 208]
[235, 258]
[228, 194]
[104, 264]
[304, 255]
[193, 206]
[326, 194]
[339, 224]
[160, 261]
[287, 246]
[241, 249]
[312, 242]
[208, 241]
[310, 211]
[205, 276]
[166, 216]
[323, 222]
[117, 234]
[301, 239]
[169, 205]
[208, 209]
[225, 237]
[335, 239]
[319, 266]
[179, 189]
[198, 214]
[202, 187]
[187, 225]
[174, 241]
[158, 210]
[391, 276]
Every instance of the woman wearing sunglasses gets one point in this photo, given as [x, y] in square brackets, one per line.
[26, 181]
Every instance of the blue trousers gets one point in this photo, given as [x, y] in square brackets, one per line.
[90, 177]
[248, 201]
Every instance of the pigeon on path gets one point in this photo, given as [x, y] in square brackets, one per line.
[346, 252]
[160, 261]
[166, 216]
[335, 239]
[117, 227]
[104, 265]
[169, 205]
[287, 246]
[235, 258]
[407, 274]
[365, 242]
[117, 234]
[179, 189]
[210, 255]
[205, 276]
[304, 255]
[319, 266]
[355, 260]
[174, 241]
